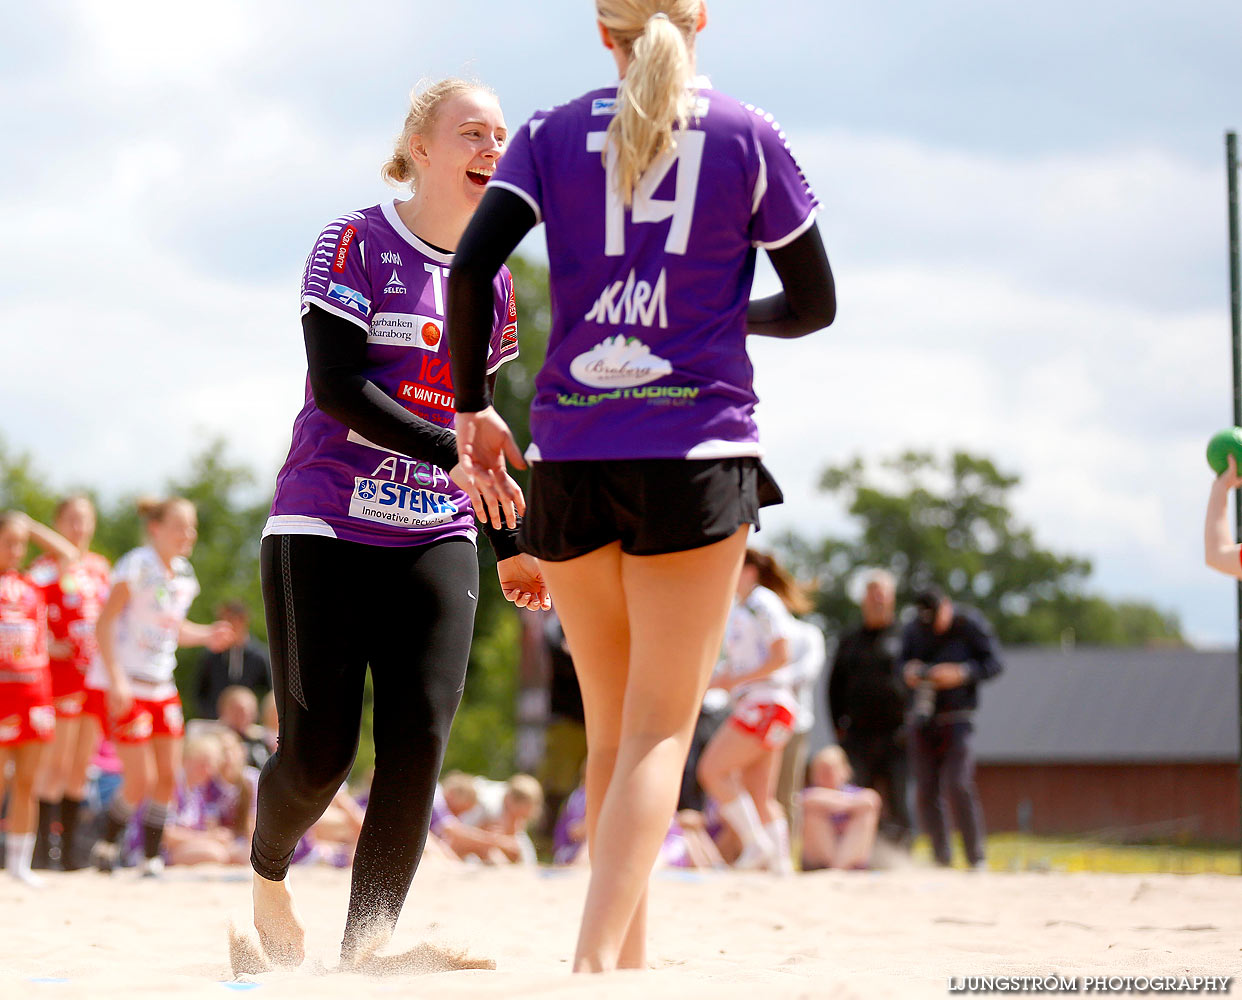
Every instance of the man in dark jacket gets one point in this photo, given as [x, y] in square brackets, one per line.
[866, 701]
[945, 652]
[244, 663]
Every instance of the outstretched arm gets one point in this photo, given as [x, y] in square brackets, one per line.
[51, 541]
[1220, 551]
[484, 441]
[218, 636]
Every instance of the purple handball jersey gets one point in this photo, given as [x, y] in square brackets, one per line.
[368, 268]
[647, 352]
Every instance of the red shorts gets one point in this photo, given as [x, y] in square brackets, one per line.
[68, 689]
[143, 720]
[26, 714]
[770, 723]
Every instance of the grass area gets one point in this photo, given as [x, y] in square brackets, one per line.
[1018, 852]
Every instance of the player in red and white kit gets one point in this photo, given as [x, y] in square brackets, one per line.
[75, 589]
[26, 716]
[740, 765]
[130, 682]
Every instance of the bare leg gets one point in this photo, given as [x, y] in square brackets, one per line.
[730, 755]
[676, 607]
[19, 844]
[137, 772]
[759, 779]
[598, 633]
[166, 752]
[50, 784]
[819, 837]
[27, 759]
[137, 778]
[282, 934]
[858, 837]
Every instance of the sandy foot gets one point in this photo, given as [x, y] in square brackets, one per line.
[282, 934]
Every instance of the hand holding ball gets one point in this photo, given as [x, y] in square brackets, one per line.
[1223, 444]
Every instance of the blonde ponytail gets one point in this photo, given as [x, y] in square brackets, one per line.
[655, 98]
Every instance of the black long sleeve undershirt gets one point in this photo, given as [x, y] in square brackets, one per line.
[336, 360]
[497, 227]
[808, 300]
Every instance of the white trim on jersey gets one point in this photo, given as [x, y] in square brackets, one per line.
[798, 231]
[532, 453]
[761, 181]
[309, 297]
[521, 194]
[725, 449]
[500, 361]
[297, 524]
[353, 437]
[389, 208]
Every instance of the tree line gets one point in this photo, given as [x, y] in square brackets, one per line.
[944, 520]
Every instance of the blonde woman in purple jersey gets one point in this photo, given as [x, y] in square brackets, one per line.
[369, 559]
[656, 193]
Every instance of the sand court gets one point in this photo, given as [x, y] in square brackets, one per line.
[908, 933]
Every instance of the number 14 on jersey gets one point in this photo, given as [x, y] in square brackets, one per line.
[646, 207]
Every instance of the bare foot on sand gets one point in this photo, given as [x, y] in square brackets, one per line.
[246, 958]
[281, 932]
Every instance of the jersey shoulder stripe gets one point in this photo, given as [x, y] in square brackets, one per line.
[325, 255]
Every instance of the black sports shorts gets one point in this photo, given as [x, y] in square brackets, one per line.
[652, 506]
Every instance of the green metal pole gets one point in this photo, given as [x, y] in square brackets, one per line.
[1235, 316]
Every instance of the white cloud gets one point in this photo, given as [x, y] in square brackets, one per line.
[956, 330]
[131, 43]
[1063, 314]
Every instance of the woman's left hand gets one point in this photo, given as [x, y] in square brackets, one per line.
[522, 583]
[484, 442]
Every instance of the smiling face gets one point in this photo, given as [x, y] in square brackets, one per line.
[458, 156]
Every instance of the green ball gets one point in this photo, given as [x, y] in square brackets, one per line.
[1223, 444]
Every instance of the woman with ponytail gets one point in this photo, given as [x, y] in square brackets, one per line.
[740, 766]
[76, 590]
[129, 686]
[656, 193]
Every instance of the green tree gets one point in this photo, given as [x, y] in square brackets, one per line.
[231, 513]
[950, 524]
[232, 506]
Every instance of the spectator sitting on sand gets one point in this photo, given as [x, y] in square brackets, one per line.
[686, 845]
[195, 833]
[475, 800]
[839, 820]
[239, 782]
[521, 806]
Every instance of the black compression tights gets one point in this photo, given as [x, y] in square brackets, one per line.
[333, 607]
